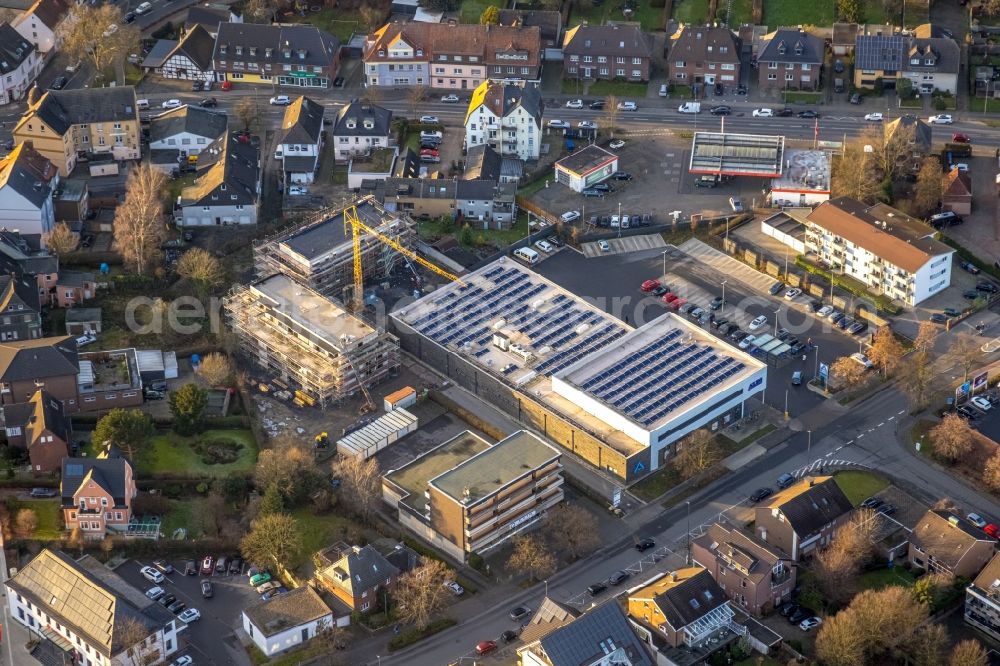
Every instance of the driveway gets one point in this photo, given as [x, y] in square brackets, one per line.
[210, 640]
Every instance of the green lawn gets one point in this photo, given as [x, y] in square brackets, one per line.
[47, 512]
[621, 89]
[803, 97]
[874, 13]
[740, 13]
[188, 514]
[859, 485]
[650, 17]
[916, 12]
[876, 580]
[318, 532]
[797, 12]
[175, 186]
[171, 453]
[691, 12]
[473, 9]
[341, 23]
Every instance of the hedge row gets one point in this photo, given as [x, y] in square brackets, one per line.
[413, 635]
[849, 284]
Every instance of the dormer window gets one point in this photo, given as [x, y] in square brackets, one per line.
[286, 53]
[239, 50]
[253, 50]
[351, 123]
[798, 50]
[369, 124]
[381, 52]
[929, 62]
[914, 61]
[222, 49]
[781, 49]
[420, 52]
[302, 54]
[267, 52]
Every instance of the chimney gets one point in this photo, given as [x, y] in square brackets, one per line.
[812, 482]
[33, 94]
[673, 576]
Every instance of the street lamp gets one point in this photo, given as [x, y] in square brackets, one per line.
[776, 313]
[816, 370]
[688, 560]
[723, 310]
[809, 442]
[619, 219]
[664, 254]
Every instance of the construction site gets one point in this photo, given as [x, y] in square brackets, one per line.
[320, 254]
[320, 352]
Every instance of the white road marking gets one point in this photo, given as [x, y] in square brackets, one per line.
[880, 424]
[861, 435]
[838, 448]
[891, 418]
[849, 443]
[900, 412]
[829, 454]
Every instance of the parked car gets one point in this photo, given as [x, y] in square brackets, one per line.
[799, 615]
[875, 117]
[186, 660]
[644, 544]
[166, 600]
[792, 293]
[760, 494]
[208, 103]
[574, 104]
[485, 647]
[952, 312]
[982, 403]
[976, 520]
[992, 530]
[788, 608]
[616, 144]
[872, 503]
[43, 492]
[757, 323]
[207, 590]
[785, 480]
[776, 288]
[171, 104]
[221, 565]
[736, 204]
[604, 246]
[627, 106]
[942, 119]
[163, 566]
[235, 565]
[618, 577]
[597, 104]
[959, 137]
[784, 113]
[430, 120]
[155, 593]
[520, 612]
[887, 509]
[938, 318]
[596, 588]
[189, 616]
[450, 99]
[152, 575]
[58, 83]
[190, 568]
[862, 359]
[297, 190]
[808, 114]
[455, 588]
[988, 287]
[586, 125]
[763, 113]
[720, 110]
[268, 586]
[207, 565]
[280, 100]
[649, 285]
[555, 123]
[176, 607]
[508, 636]
[259, 579]
[810, 623]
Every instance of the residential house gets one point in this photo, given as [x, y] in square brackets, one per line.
[110, 378]
[791, 60]
[286, 55]
[300, 140]
[378, 164]
[704, 55]
[917, 135]
[20, 64]
[71, 200]
[682, 608]
[357, 575]
[71, 288]
[468, 496]
[62, 124]
[451, 56]
[359, 127]
[607, 52]
[181, 133]
[83, 321]
[55, 597]
[548, 22]
[944, 542]
[42, 363]
[41, 24]
[506, 117]
[286, 620]
[843, 38]
[929, 63]
[27, 181]
[551, 615]
[209, 16]
[190, 59]
[23, 256]
[42, 428]
[982, 600]
[802, 517]
[227, 189]
[601, 636]
[20, 309]
[484, 163]
[886, 249]
[486, 204]
[756, 576]
[956, 192]
[97, 495]
[428, 198]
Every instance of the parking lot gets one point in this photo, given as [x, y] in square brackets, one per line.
[210, 640]
[612, 283]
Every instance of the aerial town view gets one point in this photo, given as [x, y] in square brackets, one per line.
[500, 332]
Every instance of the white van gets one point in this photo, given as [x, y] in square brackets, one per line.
[544, 246]
[527, 255]
[689, 107]
[663, 90]
[142, 104]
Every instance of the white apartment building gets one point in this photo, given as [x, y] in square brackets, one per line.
[506, 117]
[890, 252]
[81, 608]
[20, 64]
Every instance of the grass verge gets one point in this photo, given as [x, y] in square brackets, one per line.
[859, 485]
[691, 12]
[803, 97]
[171, 453]
[621, 89]
[796, 12]
[879, 578]
[47, 512]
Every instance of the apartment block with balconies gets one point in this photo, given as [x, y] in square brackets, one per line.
[507, 118]
[469, 496]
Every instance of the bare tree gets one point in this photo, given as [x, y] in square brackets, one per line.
[247, 112]
[927, 333]
[696, 453]
[257, 11]
[215, 369]
[886, 351]
[991, 472]
[361, 482]
[929, 188]
[853, 175]
[75, 539]
[927, 645]
[531, 557]
[421, 593]
[573, 530]
[966, 351]
[26, 523]
[415, 98]
[847, 373]
[916, 378]
[97, 34]
[874, 624]
[201, 267]
[952, 437]
[284, 465]
[134, 635]
[61, 240]
[611, 113]
[891, 151]
[968, 653]
[838, 566]
[273, 540]
[138, 226]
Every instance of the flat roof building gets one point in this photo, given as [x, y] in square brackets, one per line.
[469, 496]
[319, 254]
[308, 340]
[586, 167]
[729, 154]
[805, 180]
[567, 368]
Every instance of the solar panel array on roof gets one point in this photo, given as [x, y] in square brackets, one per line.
[464, 317]
[880, 52]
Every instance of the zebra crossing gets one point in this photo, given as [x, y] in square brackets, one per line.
[822, 465]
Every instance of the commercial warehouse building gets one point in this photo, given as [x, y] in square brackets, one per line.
[468, 496]
[320, 254]
[615, 396]
[308, 341]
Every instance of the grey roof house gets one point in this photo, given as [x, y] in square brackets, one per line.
[355, 574]
[607, 52]
[20, 64]
[82, 607]
[299, 140]
[602, 633]
[287, 55]
[482, 162]
[227, 189]
[929, 63]
[286, 620]
[187, 130]
[790, 59]
[190, 59]
[548, 22]
[358, 128]
[486, 204]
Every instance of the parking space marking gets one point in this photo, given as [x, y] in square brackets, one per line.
[860, 435]
[879, 425]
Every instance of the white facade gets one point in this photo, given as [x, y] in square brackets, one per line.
[35, 31]
[516, 134]
[197, 215]
[17, 82]
[186, 142]
[300, 150]
[347, 145]
[20, 214]
[36, 619]
[179, 66]
[289, 638]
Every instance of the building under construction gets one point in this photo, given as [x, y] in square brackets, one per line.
[319, 254]
[305, 340]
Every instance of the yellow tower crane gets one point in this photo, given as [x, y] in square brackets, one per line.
[357, 228]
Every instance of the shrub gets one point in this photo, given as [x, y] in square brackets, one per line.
[413, 635]
[477, 562]
[847, 283]
[217, 451]
[202, 488]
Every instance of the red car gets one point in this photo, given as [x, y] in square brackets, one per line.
[674, 305]
[650, 285]
[669, 297]
[992, 530]
[958, 137]
[430, 151]
[206, 565]
[485, 647]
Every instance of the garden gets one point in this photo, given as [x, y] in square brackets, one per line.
[214, 453]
